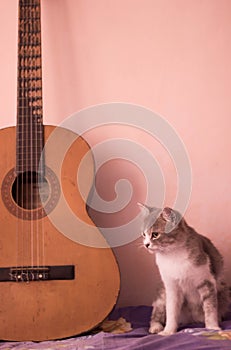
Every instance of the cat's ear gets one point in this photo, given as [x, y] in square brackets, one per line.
[145, 209]
[169, 215]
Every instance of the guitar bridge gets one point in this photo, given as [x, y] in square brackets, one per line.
[37, 273]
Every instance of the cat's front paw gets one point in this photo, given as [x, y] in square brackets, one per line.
[166, 332]
[155, 327]
[214, 328]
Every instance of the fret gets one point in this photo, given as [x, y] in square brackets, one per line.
[30, 79]
[24, 17]
[26, 129]
[29, 36]
[26, 157]
[28, 44]
[29, 3]
[30, 64]
[30, 61]
[29, 139]
[30, 115]
[25, 119]
[28, 133]
[29, 102]
[26, 73]
[33, 79]
[30, 111]
[30, 90]
[32, 136]
[29, 28]
[29, 150]
[23, 66]
[30, 93]
[36, 137]
[25, 111]
[25, 153]
[30, 25]
[32, 118]
[25, 55]
[25, 98]
[23, 149]
[28, 160]
[24, 122]
[33, 88]
[33, 144]
[29, 73]
[29, 40]
[33, 155]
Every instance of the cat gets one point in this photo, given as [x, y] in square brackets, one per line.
[191, 270]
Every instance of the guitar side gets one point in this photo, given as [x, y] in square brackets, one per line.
[54, 309]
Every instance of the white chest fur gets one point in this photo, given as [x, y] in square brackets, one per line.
[178, 267]
[174, 265]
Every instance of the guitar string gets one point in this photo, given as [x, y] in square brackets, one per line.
[35, 248]
[37, 120]
[28, 181]
[28, 205]
[23, 231]
[38, 44]
[26, 175]
[22, 137]
[18, 129]
[41, 137]
[36, 38]
[33, 109]
[28, 184]
[31, 36]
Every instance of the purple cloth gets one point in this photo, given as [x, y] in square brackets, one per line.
[189, 338]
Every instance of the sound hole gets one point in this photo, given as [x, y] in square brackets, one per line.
[29, 196]
[30, 190]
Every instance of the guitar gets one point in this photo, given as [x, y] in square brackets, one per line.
[51, 286]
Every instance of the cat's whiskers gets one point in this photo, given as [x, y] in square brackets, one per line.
[140, 245]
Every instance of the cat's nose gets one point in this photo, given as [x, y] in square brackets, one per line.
[147, 245]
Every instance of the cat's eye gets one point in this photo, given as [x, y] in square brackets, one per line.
[143, 234]
[155, 235]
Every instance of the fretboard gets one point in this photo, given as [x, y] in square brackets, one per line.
[29, 92]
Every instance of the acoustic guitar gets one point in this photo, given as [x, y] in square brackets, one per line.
[51, 286]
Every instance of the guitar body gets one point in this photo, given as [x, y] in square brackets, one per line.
[55, 308]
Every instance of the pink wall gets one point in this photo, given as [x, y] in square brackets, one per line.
[170, 56]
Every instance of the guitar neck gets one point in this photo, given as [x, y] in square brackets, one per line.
[29, 92]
